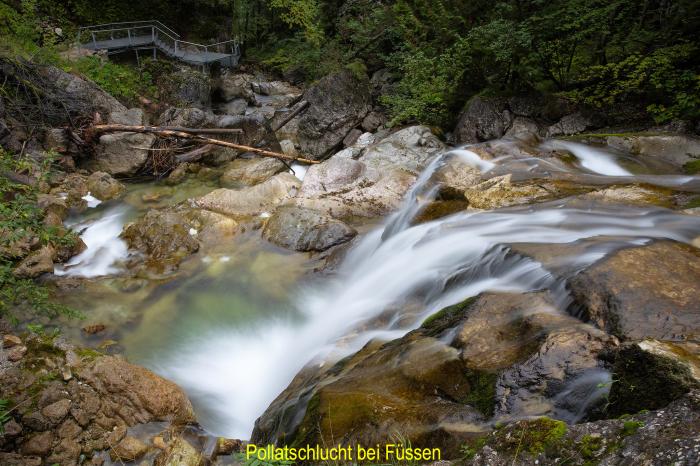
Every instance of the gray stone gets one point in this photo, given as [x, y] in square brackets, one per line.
[337, 103]
[305, 230]
[121, 154]
[482, 119]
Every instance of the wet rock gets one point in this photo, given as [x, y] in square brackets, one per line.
[148, 396]
[9, 341]
[455, 177]
[337, 103]
[648, 291]
[180, 453]
[121, 154]
[253, 200]
[483, 118]
[410, 149]
[55, 412]
[178, 175]
[524, 128]
[500, 191]
[38, 444]
[677, 149]
[571, 124]
[305, 230]
[666, 436]
[163, 236]
[650, 374]
[248, 172]
[94, 329]
[376, 182]
[104, 187]
[129, 449]
[635, 195]
[36, 263]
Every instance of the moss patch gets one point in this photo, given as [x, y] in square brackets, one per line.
[692, 167]
[444, 318]
[646, 381]
[482, 394]
[535, 437]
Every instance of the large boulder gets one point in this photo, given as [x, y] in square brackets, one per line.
[465, 364]
[192, 88]
[410, 149]
[71, 405]
[649, 291]
[253, 200]
[482, 119]
[104, 187]
[305, 230]
[369, 180]
[82, 92]
[649, 374]
[163, 236]
[677, 149]
[337, 103]
[121, 154]
[235, 85]
[248, 172]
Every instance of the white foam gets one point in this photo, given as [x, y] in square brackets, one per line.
[593, 159]
[105, 249]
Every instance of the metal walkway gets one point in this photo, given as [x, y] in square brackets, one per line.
[152, 35]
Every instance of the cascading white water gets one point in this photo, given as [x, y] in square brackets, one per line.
[104, 249]
[238, 373]
[595, 160]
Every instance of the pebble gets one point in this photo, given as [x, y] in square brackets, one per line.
[9, 341]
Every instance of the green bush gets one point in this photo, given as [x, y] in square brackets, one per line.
[21, 221]
[664, 79]
[123, 82]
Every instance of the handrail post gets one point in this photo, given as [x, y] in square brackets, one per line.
[94, 41]
[153, 34]
[175, 46]
[128, 34]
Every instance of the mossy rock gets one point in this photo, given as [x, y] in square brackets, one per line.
[645, 378]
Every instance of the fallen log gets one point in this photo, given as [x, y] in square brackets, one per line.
[300, 107]
[195, 154]
[160, 131]
[108, 128]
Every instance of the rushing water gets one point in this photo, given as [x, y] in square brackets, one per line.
[235, 333]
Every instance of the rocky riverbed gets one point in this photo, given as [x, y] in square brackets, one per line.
[501, 294]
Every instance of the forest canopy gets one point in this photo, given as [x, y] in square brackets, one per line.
[639, 54]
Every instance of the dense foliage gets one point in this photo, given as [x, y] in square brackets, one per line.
[22, 223]
[643, 54]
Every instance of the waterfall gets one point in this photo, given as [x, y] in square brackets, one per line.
[236, 373]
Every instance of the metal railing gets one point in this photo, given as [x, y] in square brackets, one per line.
[153, 32]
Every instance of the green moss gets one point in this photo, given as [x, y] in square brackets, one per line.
[692, 167]
[444, 317]
[358, 68]
[646, 381]
[589, 446]
[482, 393]
[535, 437]
[631, 427]
[88, 354]
[470, 448]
